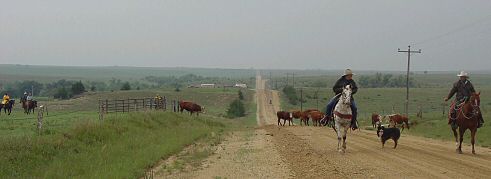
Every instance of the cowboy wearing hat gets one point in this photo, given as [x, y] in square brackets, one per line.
[463, 88]
[346, 79]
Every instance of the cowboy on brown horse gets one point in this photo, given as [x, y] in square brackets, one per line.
[464, 89]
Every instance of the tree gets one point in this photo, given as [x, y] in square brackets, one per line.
[291, 94]
[236, 109]
[61, 93]
[126, 86]
[78, 88]
[241, 95]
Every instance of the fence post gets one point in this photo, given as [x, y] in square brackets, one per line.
[165, 103]
[106, 106]
[178, 106]
[40, 119]
[174, 105]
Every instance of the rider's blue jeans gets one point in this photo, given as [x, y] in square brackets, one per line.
[332, 104]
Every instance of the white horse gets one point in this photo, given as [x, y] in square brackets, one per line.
[342, 117]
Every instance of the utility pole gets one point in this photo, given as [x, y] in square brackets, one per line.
[293, 77]
[301, 99]
[287, 79]
[407, 75]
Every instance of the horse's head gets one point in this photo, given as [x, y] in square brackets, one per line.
[476, 99]
[346, 95]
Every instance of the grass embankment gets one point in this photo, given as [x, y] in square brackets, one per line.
[122, 146]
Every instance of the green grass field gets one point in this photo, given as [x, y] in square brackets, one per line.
[75, 144]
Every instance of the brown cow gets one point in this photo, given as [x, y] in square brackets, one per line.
[303, 116]
[375, 119]
[316, 117]
[191, 107]
[395, 119]
[286, 116]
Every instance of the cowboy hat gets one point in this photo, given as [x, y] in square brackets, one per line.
[348, 72]
[463, 73]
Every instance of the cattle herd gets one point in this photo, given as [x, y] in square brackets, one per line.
[385, 133]
[303, 116]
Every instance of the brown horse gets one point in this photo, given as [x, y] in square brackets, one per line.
[29, 106]
[467, 117]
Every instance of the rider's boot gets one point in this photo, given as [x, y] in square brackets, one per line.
[453, 120]
[354, 124]
[325, 120]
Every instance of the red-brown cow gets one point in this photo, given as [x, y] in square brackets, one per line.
[303, 116]
[316, 117]
[191, 107]
[286, 116]
[395, 119]
[375, 119]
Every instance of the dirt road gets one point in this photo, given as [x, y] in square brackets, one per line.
[310, 152]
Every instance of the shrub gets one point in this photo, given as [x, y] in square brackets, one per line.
[126, 86]
[236, 109]
[291, 94]
[78, 88]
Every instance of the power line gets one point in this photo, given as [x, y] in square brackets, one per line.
[461, 28]
[407, 75]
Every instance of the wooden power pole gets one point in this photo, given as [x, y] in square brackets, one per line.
[407, 75]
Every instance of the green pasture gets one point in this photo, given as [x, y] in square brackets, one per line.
[74, 143]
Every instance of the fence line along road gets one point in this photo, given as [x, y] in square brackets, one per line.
[131, 105]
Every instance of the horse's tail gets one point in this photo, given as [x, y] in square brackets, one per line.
[407, 124]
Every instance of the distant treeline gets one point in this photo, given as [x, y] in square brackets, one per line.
[380, 80]
[64, 89]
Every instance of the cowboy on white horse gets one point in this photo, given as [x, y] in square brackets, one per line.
[346, 79]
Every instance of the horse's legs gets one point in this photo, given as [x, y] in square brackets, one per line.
[473, 138]
[338, 132]
[279, 121]
[456, 137]
[344, 137]
[461, 139]
[284, 122]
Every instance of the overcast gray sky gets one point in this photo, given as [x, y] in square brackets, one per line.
[301, 34]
